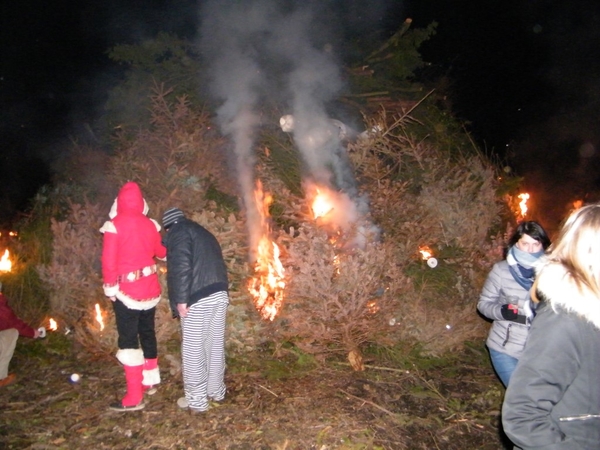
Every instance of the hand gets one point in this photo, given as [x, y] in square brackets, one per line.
[509, 312]
[182, 309]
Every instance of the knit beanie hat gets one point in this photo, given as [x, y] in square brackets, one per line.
[171, 216]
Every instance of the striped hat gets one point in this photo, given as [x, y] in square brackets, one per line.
[171, 216]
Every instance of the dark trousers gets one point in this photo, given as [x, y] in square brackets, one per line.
[136, 327]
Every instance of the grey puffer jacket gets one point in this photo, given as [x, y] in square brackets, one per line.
[499, 289]
[195, 265]
[553, 400]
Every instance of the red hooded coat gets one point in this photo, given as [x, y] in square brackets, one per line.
[131, 242]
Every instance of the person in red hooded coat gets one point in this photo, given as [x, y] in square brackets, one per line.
[131, 242]
[11, 327]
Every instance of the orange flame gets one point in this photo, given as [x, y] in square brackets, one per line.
[523, 203]
[268, 284]
[99, 317]
[53, 325]
[426, 252]
[577, 204]
[5, 263]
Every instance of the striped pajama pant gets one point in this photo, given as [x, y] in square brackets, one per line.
[203, 351]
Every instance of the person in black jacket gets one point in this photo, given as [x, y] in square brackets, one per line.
[198, 293]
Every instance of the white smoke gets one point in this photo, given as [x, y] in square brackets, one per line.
[265, 49]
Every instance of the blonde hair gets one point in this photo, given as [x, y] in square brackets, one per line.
[577, 247]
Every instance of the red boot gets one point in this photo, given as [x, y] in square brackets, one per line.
[151, 375]
[133, 364]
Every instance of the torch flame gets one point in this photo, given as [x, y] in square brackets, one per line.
[5, 263]
[53, 325]
[523, 203]
[99, 317]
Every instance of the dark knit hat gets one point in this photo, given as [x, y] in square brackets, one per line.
[171, 216]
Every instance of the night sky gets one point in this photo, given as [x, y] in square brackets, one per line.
[524, 75]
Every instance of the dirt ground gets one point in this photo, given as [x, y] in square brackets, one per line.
[273, 402]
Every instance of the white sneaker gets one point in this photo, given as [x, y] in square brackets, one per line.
[182, 403]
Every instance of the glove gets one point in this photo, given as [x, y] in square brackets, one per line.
[41, 332]
[509, 312]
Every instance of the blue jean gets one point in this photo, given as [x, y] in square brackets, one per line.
[504, 365]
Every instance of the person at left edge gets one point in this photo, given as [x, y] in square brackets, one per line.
[131, 242]
[11, 327]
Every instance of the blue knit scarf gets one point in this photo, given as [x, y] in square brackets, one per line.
[521, 265]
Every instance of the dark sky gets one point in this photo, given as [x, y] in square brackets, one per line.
[524, 74]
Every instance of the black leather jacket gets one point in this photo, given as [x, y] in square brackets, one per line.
[195, 265]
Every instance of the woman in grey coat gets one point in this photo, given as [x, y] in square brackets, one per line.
[505, 297]
[553, 400]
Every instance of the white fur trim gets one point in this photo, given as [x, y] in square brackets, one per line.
[560, 290]
[110, 291]
[130, 357]
[138, 305]
[158, 227]
[113, 210]
[151, 377]
[108, 227]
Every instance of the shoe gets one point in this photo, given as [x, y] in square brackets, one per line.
[120, 407]
[150, 390]
[182, 403]
[10, 379]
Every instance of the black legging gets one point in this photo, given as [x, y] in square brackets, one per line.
[136, 327]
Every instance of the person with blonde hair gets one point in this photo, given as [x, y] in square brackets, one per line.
[553, 400]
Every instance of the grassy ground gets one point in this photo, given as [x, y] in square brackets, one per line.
[276, 400]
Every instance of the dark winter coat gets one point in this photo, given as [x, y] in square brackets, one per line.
[500, 289]
[195, 265]
[553, 400]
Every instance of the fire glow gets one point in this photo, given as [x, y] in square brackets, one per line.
[53, 325]
[268, 284]
[99, 316]
[5, 262]
[321, 205]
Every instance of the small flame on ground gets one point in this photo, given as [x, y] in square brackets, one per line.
[523, 203]
[99, 316]
[53, 325]
[5, 262]
[426, 252]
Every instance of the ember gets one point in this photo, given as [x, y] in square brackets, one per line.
[5, 262]
[99, 317]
